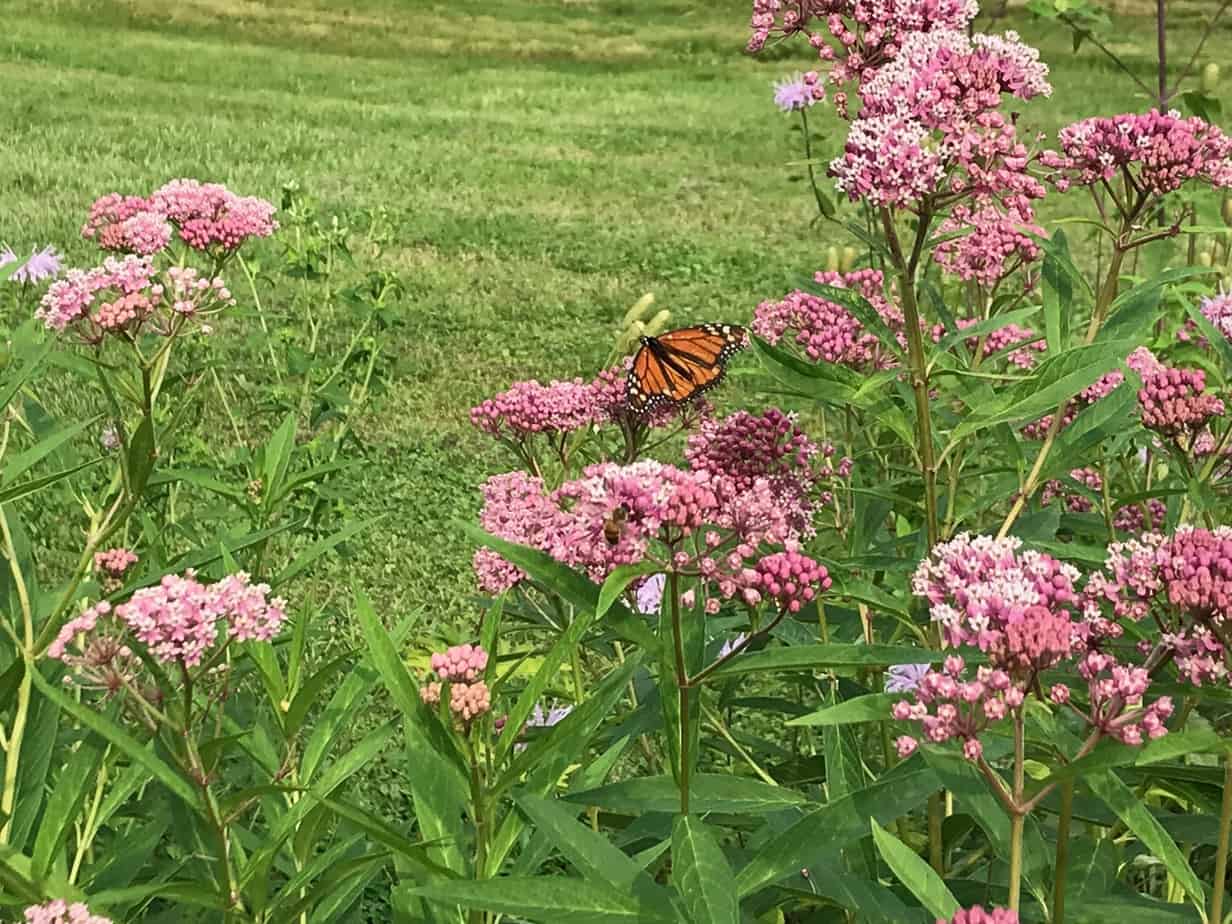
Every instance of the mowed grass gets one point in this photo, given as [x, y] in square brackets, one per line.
[542, 165]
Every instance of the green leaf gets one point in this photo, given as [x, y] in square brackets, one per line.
[702, 875]
[919, 878]
[708, 792]
[1109, 753]
[591, 854]
[381, 832]
[310, 692]
[74, 783]
[278, 456]
[122, 741]
[618, 580]
[18, 491]
[572, 586]
[824, 657]
[1219, 343]
[22, 462]
[986, 326]
[305, 559]
[1058, 289]
[141, 451]
[1133, 813]
[18, 377]
[549, 900]
[839, 823]
[828, 383]
[200, 478]
[873, 707]
[549, 672]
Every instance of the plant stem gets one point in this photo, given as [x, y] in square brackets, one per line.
[1018, 817]
[1104, 301]
[682, 689]
[917, 366]
[25, 689]
[1062, 868]
[1221, 855]
[479, 813]
[1161, 44]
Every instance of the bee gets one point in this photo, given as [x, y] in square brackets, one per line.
[613, 526]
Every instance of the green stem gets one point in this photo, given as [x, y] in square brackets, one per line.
[682, 688]
[1221, 855]
[480, 814]
[1062, 867]
[21, 712]
[1106, 295]
[1018, 817]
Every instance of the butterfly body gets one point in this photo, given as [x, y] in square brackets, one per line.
[677, 366]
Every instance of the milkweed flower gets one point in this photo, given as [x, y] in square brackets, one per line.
[209, 216]
[61, 912]
[528, 408]
[1218, 310]
[1161, 150]
[1175, 403]
[460, 663]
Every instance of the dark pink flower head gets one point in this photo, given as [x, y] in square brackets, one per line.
[1141, 360]
[460, 663]
[1037, 641]
[743, 448]
[977, 915]
[1175, 403]
[788, 578]
[211, 217]
[1161, 151]
[529, 407]
[825, 330]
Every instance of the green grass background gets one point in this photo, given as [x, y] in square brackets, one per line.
[540, 165]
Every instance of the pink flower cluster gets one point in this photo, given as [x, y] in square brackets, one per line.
[98, 655]
[61, 912]
[865, 33]
[114, 562]
[177, 620]
[460, 667]
[1175, 403]
[997, 243]
[1184, 581]
[977, 915]
[658, 511]
[1014, 604]
[827, 331]
[530, 407]
[1112, 688]
[931, 113]
[126, 295]
[1218, 310]
[1159, 151]
[743, 448]
[208, 216]
[1005, 337]
[788, 578]
[461, 663]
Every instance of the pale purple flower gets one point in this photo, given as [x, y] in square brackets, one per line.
[650, 594]
[732, 644]
[42, 264]
[541, 719]
[903, 678]
[798, 92]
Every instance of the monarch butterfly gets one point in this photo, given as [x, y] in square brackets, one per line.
[679, 365]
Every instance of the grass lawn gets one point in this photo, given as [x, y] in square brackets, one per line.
[536, 167]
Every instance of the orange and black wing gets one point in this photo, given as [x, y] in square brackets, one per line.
[681, 364]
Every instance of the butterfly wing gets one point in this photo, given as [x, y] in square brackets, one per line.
[681, 364]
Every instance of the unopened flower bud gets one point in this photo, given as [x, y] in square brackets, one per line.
[1225, 211]
[639, 310]
[833, 260]
[848, 262]
[658, 323]
[1205, 258]
[1210, 77]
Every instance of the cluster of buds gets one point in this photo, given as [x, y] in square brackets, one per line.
[459, 672]
[112, 565]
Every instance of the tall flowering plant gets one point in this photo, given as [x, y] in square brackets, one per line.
[156, 702]
[1008, 605]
